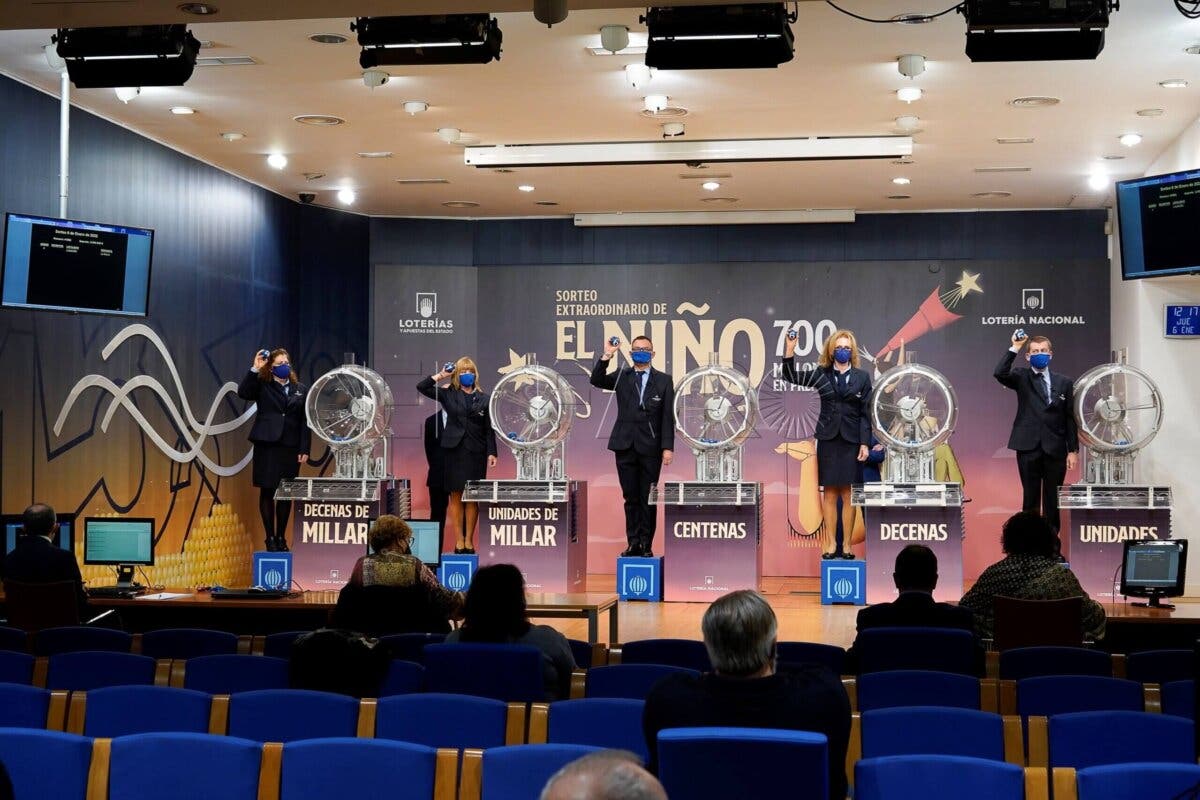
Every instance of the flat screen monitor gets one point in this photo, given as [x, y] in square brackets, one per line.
[118, 540]
[426, 541]
[1154, 568]
[68, 265]
[1157, 219]
[64, 537]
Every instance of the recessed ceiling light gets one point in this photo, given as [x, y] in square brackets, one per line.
[376, 154]
[1098, 181]
[414, 107]
[655, 102]
[127, 93]
[908, 94]
[1150, 112]
[991, 195]
[710, 186]
[899, 197]
[912, 18]
[460, 204]
[322, 120]
[525, 187]
[502, 170]
[1003, 169]
[1173, 83]
[327, 38]
[199, 9]
[346, 197]
[1192, 50]
[313, 176]
[182, 111]
[546, 203]
[1113, 158]
[903, 161]
[1015, 140]
[1034, 101]
[719, 200]
[277, 160]
[667, 112]
[900, 181]
[1130, 139]
[704, 176]
[233, 136]
[908, 123]
[419, 181]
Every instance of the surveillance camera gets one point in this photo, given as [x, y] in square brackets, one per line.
[373, 78]
[614, 38]
[670, 129]
[307, 197]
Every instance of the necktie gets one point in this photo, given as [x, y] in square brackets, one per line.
[641, 385]
[1046, 386]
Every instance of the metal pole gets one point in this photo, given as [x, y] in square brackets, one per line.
[64, 141]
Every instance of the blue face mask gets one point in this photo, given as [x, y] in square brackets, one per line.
[281, 371]
[642, 356]
[1040, 360]
[467, 379]
[841, 355]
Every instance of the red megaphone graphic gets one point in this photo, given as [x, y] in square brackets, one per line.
[931, 316]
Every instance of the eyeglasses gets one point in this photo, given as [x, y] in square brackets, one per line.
[641, 350]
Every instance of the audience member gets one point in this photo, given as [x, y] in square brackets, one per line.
[495, 612]
[37, 559]
[745, 691]
[1030, 570]
[338, 661]
[606, 775]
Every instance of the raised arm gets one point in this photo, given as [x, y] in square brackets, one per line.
[250, 386]
[601, 378]
[1004, 372]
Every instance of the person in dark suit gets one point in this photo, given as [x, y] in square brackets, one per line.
[843, 427]
[468, 443]
[643, 437]
[280, 435]
[435, 457]
[1044, 434]
[36, 559]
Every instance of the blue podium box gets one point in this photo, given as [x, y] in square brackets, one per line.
[843, 581]
[455, 572]
[272, 570]
[639, 578]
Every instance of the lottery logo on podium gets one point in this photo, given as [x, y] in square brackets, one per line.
[843, 582]
[272, 570]
[455, 572]
[639, 578]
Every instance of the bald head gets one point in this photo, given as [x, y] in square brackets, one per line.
[607, 775]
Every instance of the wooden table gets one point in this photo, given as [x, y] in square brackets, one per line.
[577, 605]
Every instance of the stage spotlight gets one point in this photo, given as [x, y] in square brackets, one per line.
[1035, 30]
[147, 55]
[443, 39]
[719, 37]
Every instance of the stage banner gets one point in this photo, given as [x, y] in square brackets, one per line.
[1097, 543]
[956, 316]
[709, 551]
[548, 541]
[892, 528]
[327, 538]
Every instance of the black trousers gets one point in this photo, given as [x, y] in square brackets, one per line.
[1041, 475]
[637, 473]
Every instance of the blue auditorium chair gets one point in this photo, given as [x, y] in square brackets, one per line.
[631, 681]
[188, 643]
[581, 651]
[1133, 780]
[290, 715]
[403, 677]
[931, 730]
[1159, 666]
[938, 649]
[518, 772]
[23, 706]
[1179, 698]
[237, 673]
[183, 766]
[922, 776]
[1095, 738]
[124, 710]
[1064, 694]
[1036, 662]
[442, 720]
[610, 723]
[796, 653]
[13, 639]
[743, 762]
[46, 764]
[279, 645]
[52, 641]
[686, 653]
[909, 687]
[364, 768]
[87, 670]
[509, 672]
[15, 667]
[410, 646]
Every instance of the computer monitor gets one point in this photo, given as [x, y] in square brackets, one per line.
[12, 524]
[123, 542]
[426, 541]
[1155, 569]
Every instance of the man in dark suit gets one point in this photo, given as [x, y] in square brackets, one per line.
[643, 437]
[36, 559]
[439, 498]
[1043, 432]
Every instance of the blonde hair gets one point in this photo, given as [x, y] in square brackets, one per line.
[827, 350]
[465, 363]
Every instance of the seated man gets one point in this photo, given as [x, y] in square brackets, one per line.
[745, 691]
[36, 559]
[606, 775]
[916, 578]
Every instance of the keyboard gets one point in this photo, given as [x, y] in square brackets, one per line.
[249, 594]
[120, 592]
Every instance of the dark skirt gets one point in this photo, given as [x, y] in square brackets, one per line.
[463, 465]
[274, 463]
[837, 462]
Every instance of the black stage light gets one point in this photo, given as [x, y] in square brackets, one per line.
[719, 37]
[444, 39]
[142, 55]
[1035, 30]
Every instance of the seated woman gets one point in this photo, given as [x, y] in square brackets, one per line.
[495, 613]
[1030, 570]
[392, 591]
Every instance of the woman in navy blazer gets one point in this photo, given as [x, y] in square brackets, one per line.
[843, 428]
[280, 435]
[468, 441]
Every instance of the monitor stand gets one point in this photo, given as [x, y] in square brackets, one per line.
[125, 577]
[1155, 602]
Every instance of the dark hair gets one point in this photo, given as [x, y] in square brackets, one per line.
[38, 520]
[265, 374]
[739, 634]
[644, 338]
[1027, 533]
[390, 531]
[338, 661]
[495, 607]
[916, 568]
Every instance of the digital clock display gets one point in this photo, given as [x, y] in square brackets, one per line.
[1182, 321]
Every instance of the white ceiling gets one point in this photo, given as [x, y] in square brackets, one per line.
[548, 88]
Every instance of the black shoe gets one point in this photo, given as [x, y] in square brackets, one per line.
[468, 551]
[270, 545]
[281, 546]
[647, 553]
[828, 556]
[458, 551]
[848, 556]
[631, 552]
